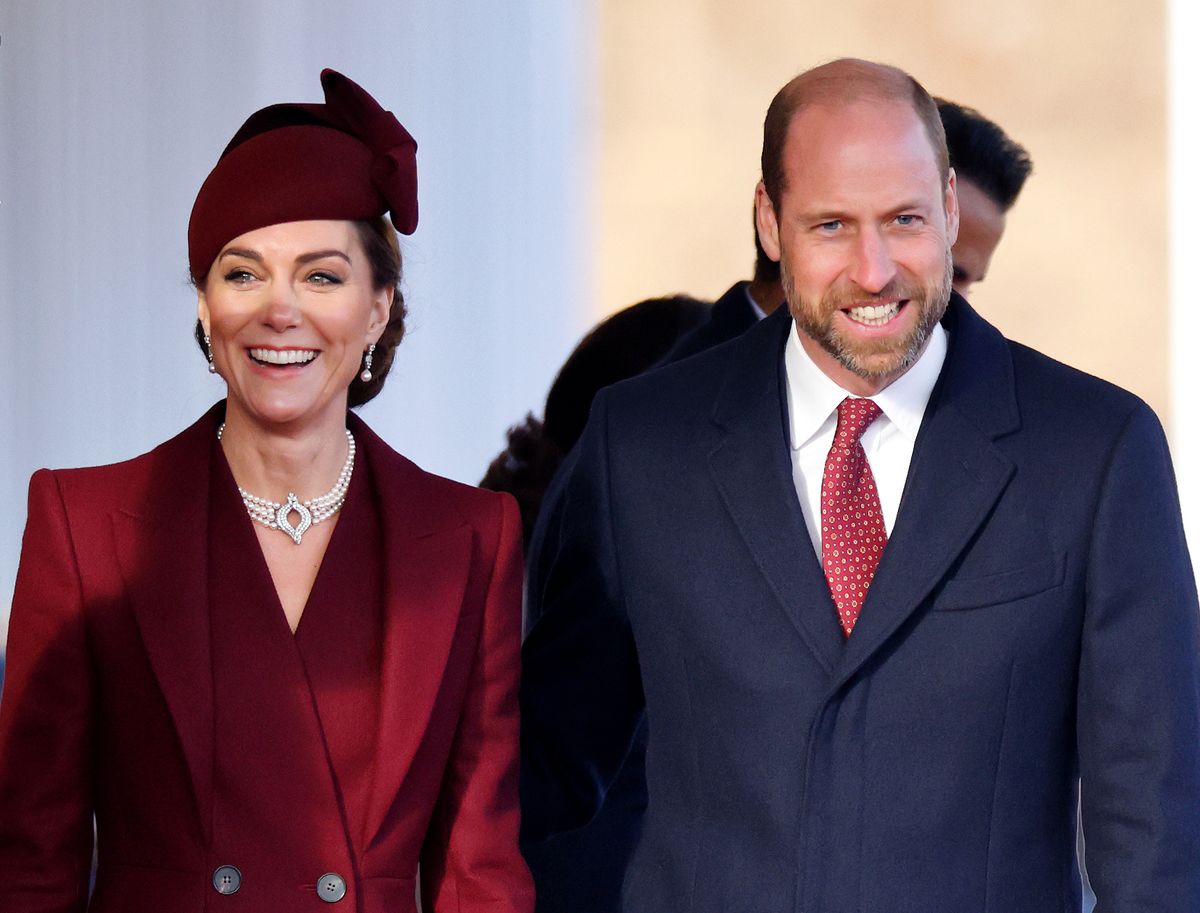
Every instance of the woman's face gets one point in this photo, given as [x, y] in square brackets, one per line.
[290, 309]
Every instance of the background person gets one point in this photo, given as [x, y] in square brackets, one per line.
[743, 305]
[991, 168]
[275, 659]
[581, 872]
[622, 345]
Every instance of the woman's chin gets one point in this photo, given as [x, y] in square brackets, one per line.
[290, 412]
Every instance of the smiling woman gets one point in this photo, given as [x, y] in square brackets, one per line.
[306, 643]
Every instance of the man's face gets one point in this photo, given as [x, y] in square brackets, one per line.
[980, 225]
[863, 234]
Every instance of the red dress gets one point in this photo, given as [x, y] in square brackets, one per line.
[152, 681]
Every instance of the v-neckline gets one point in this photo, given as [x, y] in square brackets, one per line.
[257, 563]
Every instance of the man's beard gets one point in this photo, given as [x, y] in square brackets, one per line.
[872, 359]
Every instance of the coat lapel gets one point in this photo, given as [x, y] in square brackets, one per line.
[161, 543]
[955, 478]
[752, 468]
[427, 563]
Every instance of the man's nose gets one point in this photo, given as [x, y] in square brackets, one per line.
[873, 267]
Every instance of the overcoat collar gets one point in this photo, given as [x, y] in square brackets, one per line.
[955, 477]
[161, 541]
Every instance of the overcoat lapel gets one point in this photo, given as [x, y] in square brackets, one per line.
[161, 543]
[427, 561]
[751, 465]
[955, 478]
[956, 475]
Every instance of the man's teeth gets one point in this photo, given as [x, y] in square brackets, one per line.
[283, 356]
[874, 315]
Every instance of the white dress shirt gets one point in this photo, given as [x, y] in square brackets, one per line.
[813, 398]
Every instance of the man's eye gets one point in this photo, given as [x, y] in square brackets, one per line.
[907, 219]
[831, 225]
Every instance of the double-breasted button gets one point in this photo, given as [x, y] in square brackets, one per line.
[331, 887]
[227, 879]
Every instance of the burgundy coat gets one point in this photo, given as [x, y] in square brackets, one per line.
[108, 703]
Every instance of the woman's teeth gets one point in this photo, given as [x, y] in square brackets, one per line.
[283, 356]
[874, 315]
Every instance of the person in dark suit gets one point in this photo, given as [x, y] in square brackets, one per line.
[271, 704]
[622, 345]
[743, 305]
[991, 169]
[891, 589]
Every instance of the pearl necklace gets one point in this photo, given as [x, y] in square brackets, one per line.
[274, 515]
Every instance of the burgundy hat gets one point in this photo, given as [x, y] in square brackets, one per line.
[345, 159]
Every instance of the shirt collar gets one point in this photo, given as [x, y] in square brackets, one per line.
[813, 397]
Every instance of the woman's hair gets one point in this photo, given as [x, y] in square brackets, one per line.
[382, 247]
[627, 343]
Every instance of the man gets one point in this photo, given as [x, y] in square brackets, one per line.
[827, 734]
[991, 169]
[742, 306]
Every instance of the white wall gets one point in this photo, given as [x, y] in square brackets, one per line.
[112, 114]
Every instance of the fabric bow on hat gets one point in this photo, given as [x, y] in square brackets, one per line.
[394, 169]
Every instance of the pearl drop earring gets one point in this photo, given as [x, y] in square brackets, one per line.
[366, 374]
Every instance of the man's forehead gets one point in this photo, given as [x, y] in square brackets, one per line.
[830, 118]
[864, 136]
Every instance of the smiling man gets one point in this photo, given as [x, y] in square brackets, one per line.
[892, 590]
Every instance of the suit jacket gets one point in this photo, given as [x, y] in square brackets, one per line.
[731, 316]
[581, 872]
[1033, 621]
[108, 705]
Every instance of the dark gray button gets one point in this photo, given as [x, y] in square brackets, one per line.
[331, 887]
[227, 879]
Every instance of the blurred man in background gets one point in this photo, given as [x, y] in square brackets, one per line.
[991, 170]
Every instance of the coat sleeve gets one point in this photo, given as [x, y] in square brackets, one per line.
[581, 691]
[46, 722]
[1139, 688]
[470, 862]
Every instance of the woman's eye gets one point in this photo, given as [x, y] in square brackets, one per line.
[239, 276]
[324, 279]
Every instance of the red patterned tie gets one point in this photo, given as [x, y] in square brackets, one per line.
[852, 532]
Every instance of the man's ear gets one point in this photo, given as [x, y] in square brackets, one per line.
[766, 221]
[951, 204]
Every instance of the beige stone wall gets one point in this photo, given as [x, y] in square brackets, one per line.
[1082, 272]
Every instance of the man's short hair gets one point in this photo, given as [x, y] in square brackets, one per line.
[843, 81]
[984, 154]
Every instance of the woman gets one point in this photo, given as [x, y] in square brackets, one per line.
[275, 659]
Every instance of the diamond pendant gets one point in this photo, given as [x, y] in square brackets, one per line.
[285, 509]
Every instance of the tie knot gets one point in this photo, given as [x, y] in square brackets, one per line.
[854, 415]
